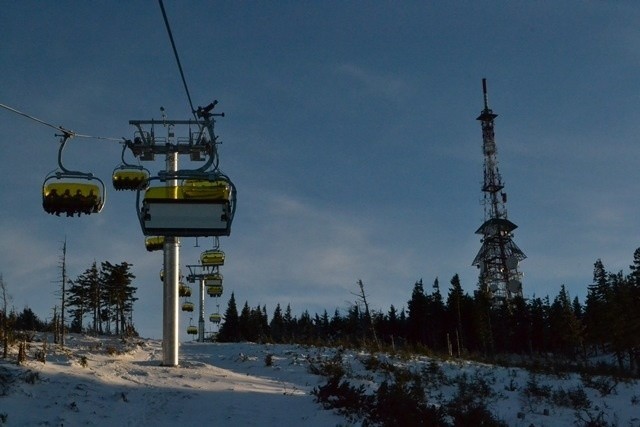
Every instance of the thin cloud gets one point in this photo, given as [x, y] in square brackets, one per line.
[384, 86]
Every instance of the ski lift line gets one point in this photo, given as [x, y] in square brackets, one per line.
[66, 132]
[175, 52]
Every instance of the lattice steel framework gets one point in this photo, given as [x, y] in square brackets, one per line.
[498, 258]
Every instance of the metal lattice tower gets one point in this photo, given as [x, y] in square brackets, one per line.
[499, 256]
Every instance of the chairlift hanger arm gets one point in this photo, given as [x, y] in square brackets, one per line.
[66, 135]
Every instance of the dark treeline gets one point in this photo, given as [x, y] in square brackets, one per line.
[457, 323]
[98, 301]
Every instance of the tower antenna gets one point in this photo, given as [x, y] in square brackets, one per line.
[499, 257]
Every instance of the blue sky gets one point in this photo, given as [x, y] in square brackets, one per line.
[350, 134]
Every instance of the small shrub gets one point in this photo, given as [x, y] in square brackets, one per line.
[83, 361]
[402, 404]
[331, 368]
[534, 391]
[604, 384]
[588, 419]
[22, 353]
[349, 400]
[434, 375]
[4, 417]
[574, 398]
[268, 360]
[41, 355]
[31, 377]
[112, 351]
[476, 415]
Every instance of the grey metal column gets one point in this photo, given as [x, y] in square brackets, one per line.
[170, 320]
[201, 320]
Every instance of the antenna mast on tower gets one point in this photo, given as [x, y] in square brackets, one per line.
[499, 256]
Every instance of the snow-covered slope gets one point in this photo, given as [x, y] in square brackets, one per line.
[103, 381]
[216, 384]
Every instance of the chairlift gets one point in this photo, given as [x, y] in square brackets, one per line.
[127, 176]
[154, 243]
[212, 258]
[201, 205]
[214, 279]
[215, 291]
[215, 318]
[72, 192]
[184, 290]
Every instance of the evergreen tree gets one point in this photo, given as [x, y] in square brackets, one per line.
[353, 326]
[620, 307]
[77, 304]
[633, 313]
[259, 325]
[305, 328]
[483, 330]
[289, 324]
[436, 318]
[230, 328]
[84, 296]
[454, 308]
[336, 325]
[322, 326]
[539, 325]
[567, 330]
[244, 324]
[28, 321]
[416, 320]
[277, 325]
[393, 330]
[596, 315]
[118, 294]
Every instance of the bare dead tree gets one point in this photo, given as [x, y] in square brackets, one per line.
[59, 329]
[362, 297]
[5, 324]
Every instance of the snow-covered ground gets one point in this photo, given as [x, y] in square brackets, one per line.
[103, 381]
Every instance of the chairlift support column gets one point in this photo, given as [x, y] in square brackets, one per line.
[201, 319]
[170, 319]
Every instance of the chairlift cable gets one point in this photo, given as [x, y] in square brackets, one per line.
[68, 132]
[175, 52]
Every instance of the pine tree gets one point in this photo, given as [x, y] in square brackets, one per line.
[305, 328]
[230, 330]
[454, 308]
[633, 313]
[596, 315]
[520, 326]
[483, 330]
[77, 304]
[394, 327]
[322, 326]
[84, 296]
[539, 325]
[289, 324]
[244, 323]
[567, 329]
[337, 325]
[416, 320]
[436, 317]
[28, 321]
[277, 325]
[119, 294]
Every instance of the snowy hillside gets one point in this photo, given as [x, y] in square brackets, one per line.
[103, 381]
